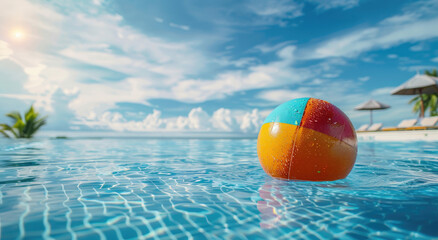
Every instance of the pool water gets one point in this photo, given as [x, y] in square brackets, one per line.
[208, 189]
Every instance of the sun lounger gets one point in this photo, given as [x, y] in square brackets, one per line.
[362, 128]
[426, 123]
[375, 127]
[402, 125]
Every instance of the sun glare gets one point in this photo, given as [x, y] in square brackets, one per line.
[18, 34]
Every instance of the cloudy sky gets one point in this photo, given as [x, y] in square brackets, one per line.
[210, 66]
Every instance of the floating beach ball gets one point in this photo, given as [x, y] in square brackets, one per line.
[307, 139]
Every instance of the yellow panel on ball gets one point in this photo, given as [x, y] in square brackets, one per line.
[275, 146]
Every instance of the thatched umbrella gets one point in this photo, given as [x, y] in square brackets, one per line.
[372, 105]
[418, 84]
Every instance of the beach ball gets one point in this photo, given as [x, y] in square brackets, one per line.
[307, 139]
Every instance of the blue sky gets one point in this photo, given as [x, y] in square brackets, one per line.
[208, 66]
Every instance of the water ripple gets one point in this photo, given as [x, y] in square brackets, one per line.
[208, 189]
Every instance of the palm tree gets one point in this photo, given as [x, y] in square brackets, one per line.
[23, 127]
[432, 73]
[430, 101]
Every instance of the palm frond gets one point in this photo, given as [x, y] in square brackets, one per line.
[433, 73]
[414, 99]
[30, 114]
[417, 107]
[6, 127]
[4, 133]
[433, 104]
[14, 116]
[24, 127]
[39, 123]
[30, 122]
[19, 125]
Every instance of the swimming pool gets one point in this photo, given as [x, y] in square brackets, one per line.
[208, 189]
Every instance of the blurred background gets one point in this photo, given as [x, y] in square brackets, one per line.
[216, 67]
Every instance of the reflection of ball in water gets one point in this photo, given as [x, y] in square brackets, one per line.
[307, 139]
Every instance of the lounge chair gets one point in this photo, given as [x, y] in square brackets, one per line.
[375, 127]
[426, 123]
[402, 125]
[363, 128]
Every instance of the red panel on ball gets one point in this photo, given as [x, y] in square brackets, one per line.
[326, 118]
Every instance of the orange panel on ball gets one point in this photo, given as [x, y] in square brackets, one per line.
[319, 157]
[274, 147]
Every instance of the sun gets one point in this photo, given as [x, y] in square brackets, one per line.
[18, 34]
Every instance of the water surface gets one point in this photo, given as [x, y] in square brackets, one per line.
[208, 189]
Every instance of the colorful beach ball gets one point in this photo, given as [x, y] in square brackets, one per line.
[307, 139]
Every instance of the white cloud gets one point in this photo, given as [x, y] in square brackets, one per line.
[364, 79]
[368, 59]
[5, 51]
[152, 67]
[160, 20]
[384, 37]
[417, 48]
[182, 27]
[222, 120]
[265, 48]
[198, 119]
[98, 2]
[273, 74]
[247, 12]
[157, 68]
[326, 5]
[330, 65]
[331, 75]
[38, 21]
[264, 114]
[251, 122]
[115, 121]
[383, 91]
[399, 19]
[156, 64]
[241, 62]
[276, 8]
[317, 81]
[392, 56]
[18, 96]
[407, 27]
[41, 28]
[139, 52]
[434, 59]
[281, 95]
[98, 97]
[101, 58]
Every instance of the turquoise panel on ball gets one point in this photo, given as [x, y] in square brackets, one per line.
[289, 112]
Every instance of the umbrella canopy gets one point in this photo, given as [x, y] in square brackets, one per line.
[418, 84]
[372, 105]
